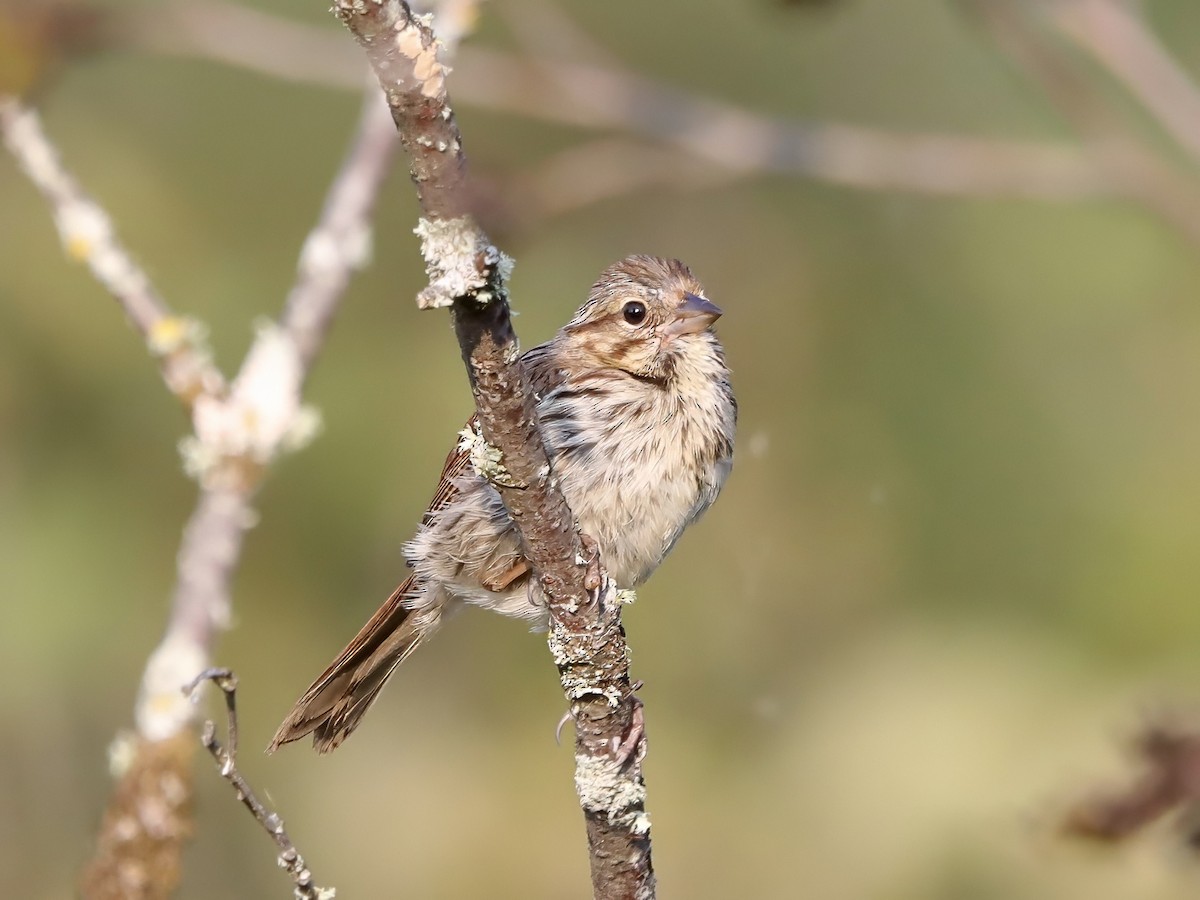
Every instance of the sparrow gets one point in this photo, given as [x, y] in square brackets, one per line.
[637, 413]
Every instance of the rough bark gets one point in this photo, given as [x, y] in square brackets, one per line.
[468, 274]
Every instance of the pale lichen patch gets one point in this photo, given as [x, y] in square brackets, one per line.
[162, 708]
[458, 261]
[327, 252]
[606, 787]
[261, 417]
[171, 333]
[486, 459]
[121, 753]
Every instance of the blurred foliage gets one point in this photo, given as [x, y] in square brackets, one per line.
[956, 561]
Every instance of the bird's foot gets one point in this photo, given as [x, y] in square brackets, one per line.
[593, 577]
[635, 744]
[568, 716]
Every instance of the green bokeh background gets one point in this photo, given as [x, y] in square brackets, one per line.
[955, 566]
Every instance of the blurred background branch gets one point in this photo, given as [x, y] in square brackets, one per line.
[88, 236]
[1116, 33]
[1131, 167]
[599, 95]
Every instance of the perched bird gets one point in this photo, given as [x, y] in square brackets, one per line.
[637, 413]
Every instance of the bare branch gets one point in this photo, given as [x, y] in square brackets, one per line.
[88, 235]
[600, 170]
[238, 36]
[469, 274]
[747, 143]
[1116, 34]
[1107, 163]
[290, 859]
[341, 241]
[544, 29]
[600, 97]
[1132, 169]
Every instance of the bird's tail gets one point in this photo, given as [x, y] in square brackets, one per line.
[335, 703]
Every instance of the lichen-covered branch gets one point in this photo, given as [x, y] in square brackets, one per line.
[153, 764]
[468, 273]
[147, 822]
[89, 236]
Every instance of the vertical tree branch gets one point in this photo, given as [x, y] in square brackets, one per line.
[468, 274]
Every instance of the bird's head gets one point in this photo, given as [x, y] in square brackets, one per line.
[645, 316]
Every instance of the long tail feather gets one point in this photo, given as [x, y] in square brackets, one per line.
[335, 703]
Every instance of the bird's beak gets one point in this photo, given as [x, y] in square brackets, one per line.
[693, 315]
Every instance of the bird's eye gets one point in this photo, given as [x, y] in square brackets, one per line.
[634, 312]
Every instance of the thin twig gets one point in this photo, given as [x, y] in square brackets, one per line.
[468, 273]
[88, 236]
[290, 859]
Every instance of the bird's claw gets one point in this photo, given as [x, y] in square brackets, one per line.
[593, 578]
[568, 716]
[634, 745]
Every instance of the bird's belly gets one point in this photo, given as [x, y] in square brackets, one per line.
[635, 520]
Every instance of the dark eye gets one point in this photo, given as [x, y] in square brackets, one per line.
[634, 312]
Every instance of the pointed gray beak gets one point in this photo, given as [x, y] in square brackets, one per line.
[693, 315]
